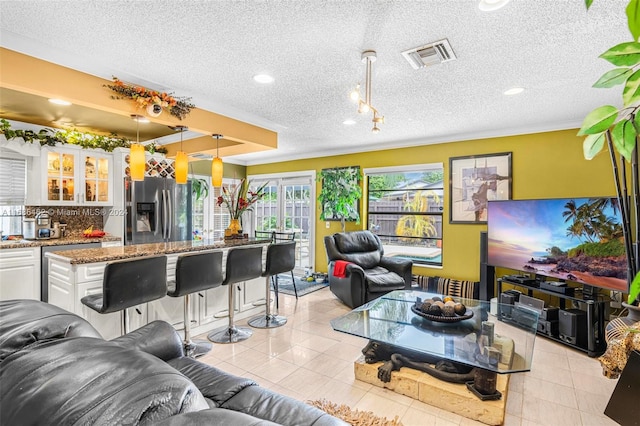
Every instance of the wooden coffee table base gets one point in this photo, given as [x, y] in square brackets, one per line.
[452, 397]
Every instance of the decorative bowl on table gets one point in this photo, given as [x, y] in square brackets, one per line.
[439, 309]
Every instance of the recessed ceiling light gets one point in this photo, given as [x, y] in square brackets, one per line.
[263, 78]
[349, 122]
[139, 118]
[59, 102]
[514, 91]
[491, 5]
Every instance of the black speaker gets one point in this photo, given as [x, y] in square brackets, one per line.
[573, 327]
[550, 328]
[487, 273]
[507, 300]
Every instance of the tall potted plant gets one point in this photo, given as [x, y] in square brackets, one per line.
[619, 129]
[339, 194]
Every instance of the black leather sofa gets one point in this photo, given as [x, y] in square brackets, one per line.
[55, 369]
[369, 274]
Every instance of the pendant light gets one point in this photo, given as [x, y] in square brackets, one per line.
[182, 161]
[216, 164]
[137, 160]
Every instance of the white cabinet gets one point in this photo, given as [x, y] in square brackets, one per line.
[71, 175]
[20, 273]
[111, 244]
[214, 305]
[252, 294]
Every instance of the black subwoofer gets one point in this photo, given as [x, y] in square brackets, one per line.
[573, 326]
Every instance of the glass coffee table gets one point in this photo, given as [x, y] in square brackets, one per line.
[475, 338]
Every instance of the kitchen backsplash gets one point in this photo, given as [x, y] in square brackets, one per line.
[76, 218]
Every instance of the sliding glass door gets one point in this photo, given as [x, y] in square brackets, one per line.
[288, 207]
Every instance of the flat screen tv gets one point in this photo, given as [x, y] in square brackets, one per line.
[571, 239]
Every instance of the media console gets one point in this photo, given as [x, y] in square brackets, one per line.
[582, 328]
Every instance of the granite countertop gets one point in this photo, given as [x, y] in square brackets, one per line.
[106, 254]
[77, 239]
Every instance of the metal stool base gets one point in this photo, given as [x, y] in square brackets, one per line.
[230, 335]
[197, 348]
[267, 321]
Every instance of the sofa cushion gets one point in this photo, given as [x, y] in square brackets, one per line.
[25, 322]
[215, 416]
[85, 380]
[364, 260]
[356, 242]
[214, 384]
[383, 280]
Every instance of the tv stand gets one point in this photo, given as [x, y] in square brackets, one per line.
[595, 306]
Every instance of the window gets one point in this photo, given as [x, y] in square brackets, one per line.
[13, 193]
[209, 219]
[404, 208]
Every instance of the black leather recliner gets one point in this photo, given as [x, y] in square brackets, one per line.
[56, 369]
[370, 274]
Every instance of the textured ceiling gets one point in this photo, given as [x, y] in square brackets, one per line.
[210, 50]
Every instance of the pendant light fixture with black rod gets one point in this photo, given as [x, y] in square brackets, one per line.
[181, 164]
[137, 160]
[216, 164]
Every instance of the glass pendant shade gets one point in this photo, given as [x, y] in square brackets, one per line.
[181, 165]
[216, 172]
[137, 162]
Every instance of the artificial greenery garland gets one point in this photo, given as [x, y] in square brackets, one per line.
[51, 137]
[178, 107]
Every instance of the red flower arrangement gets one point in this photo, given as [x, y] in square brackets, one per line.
[178, 107]
[239, 199]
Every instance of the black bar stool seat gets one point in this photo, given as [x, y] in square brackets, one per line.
[243, 263]
[128, 283]
[195, 272]
[281, 257]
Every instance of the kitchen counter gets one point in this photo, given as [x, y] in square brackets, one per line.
[12, 244]
[106, 254]
[76, 273]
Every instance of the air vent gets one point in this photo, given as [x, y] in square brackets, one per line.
[430, 54]
[201, 156]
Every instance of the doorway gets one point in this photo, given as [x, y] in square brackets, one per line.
[288, 207]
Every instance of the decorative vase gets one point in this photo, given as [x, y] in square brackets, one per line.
[618, 327]
[634, 313]
[234, 228]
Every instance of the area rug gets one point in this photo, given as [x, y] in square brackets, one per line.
[304, 287]
[353, 417]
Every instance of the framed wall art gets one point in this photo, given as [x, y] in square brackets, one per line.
[473, 181]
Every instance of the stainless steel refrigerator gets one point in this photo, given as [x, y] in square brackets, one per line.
[158, 210]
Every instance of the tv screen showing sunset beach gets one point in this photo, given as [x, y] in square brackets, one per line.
[572, 239]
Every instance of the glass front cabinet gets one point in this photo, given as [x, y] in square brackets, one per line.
[76, 177]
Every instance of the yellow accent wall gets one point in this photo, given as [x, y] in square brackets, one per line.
[231, 171]
[544, 165]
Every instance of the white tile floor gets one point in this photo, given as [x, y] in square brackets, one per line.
[307, 360]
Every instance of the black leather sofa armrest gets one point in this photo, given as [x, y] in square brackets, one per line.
[352, 288]
[157, 338]
[214, 416]
[213, 383]
[400, 266]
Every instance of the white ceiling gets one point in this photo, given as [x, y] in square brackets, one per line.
[210, 50]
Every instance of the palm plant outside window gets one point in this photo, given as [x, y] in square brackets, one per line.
[405, 209]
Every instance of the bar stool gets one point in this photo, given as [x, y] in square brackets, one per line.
[281, 257]
[280, 237]
[127, 283]
[195, 272]
[243, 263]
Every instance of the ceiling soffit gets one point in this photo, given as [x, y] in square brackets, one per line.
[26, 83]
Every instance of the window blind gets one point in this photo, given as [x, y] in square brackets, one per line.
[13, 181]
